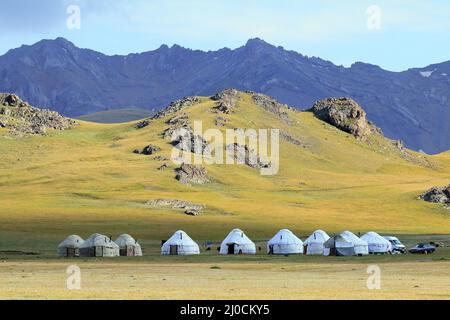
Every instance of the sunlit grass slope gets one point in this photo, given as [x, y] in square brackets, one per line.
[88, 179]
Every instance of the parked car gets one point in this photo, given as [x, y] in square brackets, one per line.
[423, 248]
[397, 246]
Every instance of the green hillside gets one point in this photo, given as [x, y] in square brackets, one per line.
[87, 179]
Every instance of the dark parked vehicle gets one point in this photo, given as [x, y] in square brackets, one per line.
[423, 248]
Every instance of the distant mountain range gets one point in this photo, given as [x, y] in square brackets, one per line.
[413, 105]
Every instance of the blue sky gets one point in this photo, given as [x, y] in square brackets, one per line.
[412, 33]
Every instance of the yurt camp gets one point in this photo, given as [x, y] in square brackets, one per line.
[128, 246]
[285, 242]
[70, 247]
[237, 243]
[314, 244]
[98, 245]
[180, 244]
[377, 244]
[345, 244]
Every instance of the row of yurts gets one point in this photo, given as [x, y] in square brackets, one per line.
[284, 242]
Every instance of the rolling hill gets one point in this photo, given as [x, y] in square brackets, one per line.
[89, 179]
[412, 105]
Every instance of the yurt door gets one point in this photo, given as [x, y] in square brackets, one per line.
[98, 251]
[271, 249]
[130, 251]
[173, 250]
[71, 252]
[231, 248]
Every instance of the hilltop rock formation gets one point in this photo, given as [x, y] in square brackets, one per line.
[189, 173]
[345, 114]
[21, 118]
[271, 105]
[437, 195]
[226, 100]
[176, 106]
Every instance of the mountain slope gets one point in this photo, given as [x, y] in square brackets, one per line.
[413, 105]
[90, 176]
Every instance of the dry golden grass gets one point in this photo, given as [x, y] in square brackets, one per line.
[265, 280]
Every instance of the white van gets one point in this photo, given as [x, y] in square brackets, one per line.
[397, 246]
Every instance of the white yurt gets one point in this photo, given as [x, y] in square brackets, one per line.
[345, 244]
[314, 244]
[70, 247]
[98, 245]
[180, 244]
[377, 244]
[285, 242]
[360, 246]
[237, 243]
[128, 246]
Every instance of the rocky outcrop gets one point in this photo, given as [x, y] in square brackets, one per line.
[176, 204]
[220, 121]
[226, 100]
[286, 136]
[148, 150]
[437, 195]
[271, 105]
[189, 173]
[21, 118]
[242, 154]
[345, 114]
[142, 124]
[176, 106]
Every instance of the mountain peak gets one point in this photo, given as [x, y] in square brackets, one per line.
[257, 42]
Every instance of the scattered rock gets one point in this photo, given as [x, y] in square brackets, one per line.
[271, 105]
[184, 139]
[290, 139]
[227, 94]
[220, 121]
[175, 204]
[189, 173]
[345, 114]
[244, 155]
[192, 212]
[225, 107]
[164, 167]
[160, 158]
[226, 100]
[150, 149]
[180, 120]
[22, 119]
[437, 195]
[142, 124]
[176, 106]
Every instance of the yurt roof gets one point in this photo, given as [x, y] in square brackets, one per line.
[98, 239]
[72, 241]
[373, 237]
[285, 236]
[353, 237]
[237, 236]
[337, 238]
[125, 240]
[318, 236]
[180, 237]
